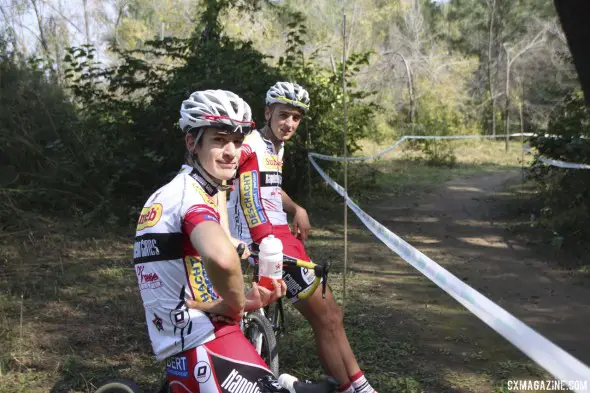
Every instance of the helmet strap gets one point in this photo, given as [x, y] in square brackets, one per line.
[195, 163]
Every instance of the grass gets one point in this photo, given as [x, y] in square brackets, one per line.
[83, 322]
[405, 172]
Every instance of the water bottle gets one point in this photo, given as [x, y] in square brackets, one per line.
[270, 261]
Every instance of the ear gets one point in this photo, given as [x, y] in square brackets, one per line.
[267, 113]
[191, 143]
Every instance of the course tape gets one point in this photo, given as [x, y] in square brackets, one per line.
[557, 163]
[548, 355]
[408, 137]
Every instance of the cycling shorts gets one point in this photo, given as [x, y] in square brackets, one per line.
[298, 279]
[227, 364]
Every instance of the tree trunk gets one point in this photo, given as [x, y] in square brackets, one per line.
[507, 101]
[86, 21]
[412, 112]
[492, 6]
[42, 36]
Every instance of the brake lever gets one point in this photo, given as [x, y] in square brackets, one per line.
[240, 249]
[326, 267]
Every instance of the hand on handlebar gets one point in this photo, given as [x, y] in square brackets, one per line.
[243, 251]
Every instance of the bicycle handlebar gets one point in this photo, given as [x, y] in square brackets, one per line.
[320, 271]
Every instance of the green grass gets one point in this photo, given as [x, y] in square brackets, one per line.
[405, 172]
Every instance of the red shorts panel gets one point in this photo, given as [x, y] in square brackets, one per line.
[227, 364]
[292, 246]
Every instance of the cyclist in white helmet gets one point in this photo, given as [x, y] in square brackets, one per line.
[187, 269]
[258, 207]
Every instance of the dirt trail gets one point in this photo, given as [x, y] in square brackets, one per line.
[462, 226]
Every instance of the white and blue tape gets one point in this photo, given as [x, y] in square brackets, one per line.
[561, 164]
[546, 354]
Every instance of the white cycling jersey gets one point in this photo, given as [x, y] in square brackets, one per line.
[168, 268]
[255, 203]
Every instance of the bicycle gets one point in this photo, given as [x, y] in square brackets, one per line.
[262, 327]
[284, 384]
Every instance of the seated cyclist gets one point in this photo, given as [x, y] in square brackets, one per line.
[183, 258]
[258, 206]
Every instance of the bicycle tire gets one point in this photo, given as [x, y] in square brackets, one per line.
[119, 386]
[256, 321]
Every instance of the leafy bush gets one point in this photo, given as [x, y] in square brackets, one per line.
[565, 193]
[104, 152]
[40, 153]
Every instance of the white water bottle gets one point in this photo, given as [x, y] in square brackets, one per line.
[270, 261]
[286, 381]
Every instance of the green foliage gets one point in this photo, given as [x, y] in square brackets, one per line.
[119, 139]
[132, 108]
[565, 192]
[39, 156]
[322, 129]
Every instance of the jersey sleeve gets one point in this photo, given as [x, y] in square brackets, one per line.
[250, 197]
[197, 207]
[247, 152]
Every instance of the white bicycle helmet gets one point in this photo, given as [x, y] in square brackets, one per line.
[218, 109]
[288, 93]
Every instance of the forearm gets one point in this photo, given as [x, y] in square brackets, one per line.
[228, 283]
[288, 205]
[221, 262]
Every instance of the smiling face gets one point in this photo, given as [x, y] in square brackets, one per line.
[218, 151]
[283, 120]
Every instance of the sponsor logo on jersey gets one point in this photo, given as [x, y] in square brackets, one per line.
[180, 318]
[145, 248]
[200, 283]
[149, 216]
[292, 286]
[235, 383]
[158, 323]
[151, 247]
[308, 275]
[273, 162]
[202, 371]
[269, 179]
[250, 202]
[147, 280]
[177, 366]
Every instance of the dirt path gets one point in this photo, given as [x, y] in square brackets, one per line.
[462, 226]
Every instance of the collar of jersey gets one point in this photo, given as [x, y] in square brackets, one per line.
[269, 142]
[208, 185]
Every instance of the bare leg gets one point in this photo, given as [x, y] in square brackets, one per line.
[326, 320]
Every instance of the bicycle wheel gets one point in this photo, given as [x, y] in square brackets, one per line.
[119, 386]
[259, 332]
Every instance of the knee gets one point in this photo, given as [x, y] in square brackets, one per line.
[330, 318]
